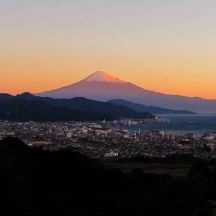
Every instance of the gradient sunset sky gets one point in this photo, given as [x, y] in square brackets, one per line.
[162, 45]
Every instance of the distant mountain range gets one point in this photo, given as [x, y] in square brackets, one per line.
[103, 87]
[26, 107]
[151, 109]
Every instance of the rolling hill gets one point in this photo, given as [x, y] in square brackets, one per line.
[152, 109]
[26, 107]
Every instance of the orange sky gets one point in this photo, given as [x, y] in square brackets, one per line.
[165, 46]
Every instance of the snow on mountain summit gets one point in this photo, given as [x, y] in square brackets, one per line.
[100, 76]
[101, 86]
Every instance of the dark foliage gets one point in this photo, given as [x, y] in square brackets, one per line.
[175, 158]
[37, 182]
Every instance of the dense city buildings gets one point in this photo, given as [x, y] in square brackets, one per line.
[107, 140]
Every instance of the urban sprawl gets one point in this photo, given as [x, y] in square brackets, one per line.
[109, 140]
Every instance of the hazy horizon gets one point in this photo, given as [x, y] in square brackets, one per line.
[165, 46]
[84, 78]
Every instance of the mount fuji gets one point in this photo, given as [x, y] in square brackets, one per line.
[102, 86]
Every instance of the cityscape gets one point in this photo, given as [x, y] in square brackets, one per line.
[100, 140]
[108, 107]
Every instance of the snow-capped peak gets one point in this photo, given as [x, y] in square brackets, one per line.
[100, 76]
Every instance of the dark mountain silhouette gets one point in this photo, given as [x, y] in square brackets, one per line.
[152, 109]
[25, 107]
[4, 96]
[35, 182]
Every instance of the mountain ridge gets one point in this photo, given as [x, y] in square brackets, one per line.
[152, 109]
[98, 89]
[27, 107]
